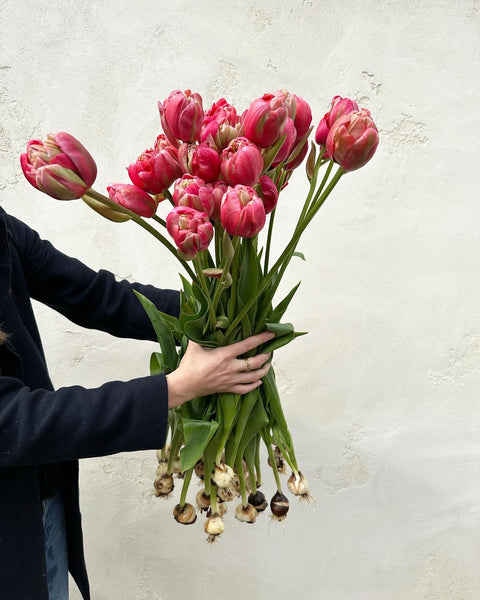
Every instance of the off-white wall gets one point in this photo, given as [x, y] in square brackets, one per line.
[383, 395]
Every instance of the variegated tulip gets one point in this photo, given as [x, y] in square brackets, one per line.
[59, 166]
[352, 140]
[193, 192]
[190, 229]
[157, 168]
[241, 162]
[181, 116]
[265, 120]
[200, 160]
[242, 211]
[132, 197]
[340, 106]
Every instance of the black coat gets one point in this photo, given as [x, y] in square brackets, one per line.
[40, 426]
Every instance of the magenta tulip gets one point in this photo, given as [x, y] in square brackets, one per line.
[193, 192]
[200, 160]
[241, 162]
[298, 110]
[340, 106]
[265, 120]
[242, 211]
[267, 190]
[352, 140]
[190, 229]
[287, 146]
[182, 116]
[132, 197]
[157, 168]
[59, 166]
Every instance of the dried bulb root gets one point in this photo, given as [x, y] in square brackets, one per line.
[279, 460]
[185, 515]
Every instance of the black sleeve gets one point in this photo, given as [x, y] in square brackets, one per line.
[40, 426]
[90, 299]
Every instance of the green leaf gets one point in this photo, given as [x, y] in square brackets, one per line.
[299, 255]
[280, 309]
[196, 434]
[162, 325]
[156, 364]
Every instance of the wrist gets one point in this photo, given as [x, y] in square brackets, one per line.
[177, 394]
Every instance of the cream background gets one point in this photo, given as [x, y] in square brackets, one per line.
[383, 396]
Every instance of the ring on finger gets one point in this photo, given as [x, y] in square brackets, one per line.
[247, 365]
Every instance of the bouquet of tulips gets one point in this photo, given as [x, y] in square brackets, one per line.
[220, 174]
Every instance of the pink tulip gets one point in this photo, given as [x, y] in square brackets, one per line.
[221, 125]
[287, 146]
[340, 106]
[298, 110]
[241, 162]
[156, 169]
[352, 140]
[200, 160]
[265, 119]
[217, 189]
[131, 197]
[193, 192]
[190, 229]
[182, 116]
[242, 212]
[268, 192]
[297, 161]
[59, 166]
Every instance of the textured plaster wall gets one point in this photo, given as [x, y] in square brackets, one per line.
[383, 395]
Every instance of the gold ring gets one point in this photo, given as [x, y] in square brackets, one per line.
[247, 365]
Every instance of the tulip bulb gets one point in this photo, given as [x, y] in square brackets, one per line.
[246, 514]
[163, 485]
[185, 514]
[258, 500]
[200, 469]
[203, 500]
[214, 526]
[223, 475]
[298, 485]
[279, 506]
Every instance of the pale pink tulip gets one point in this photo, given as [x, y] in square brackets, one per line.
[59, 166]
[242, 211]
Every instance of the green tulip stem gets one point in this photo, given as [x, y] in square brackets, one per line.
[269, 239]
[232, 304]
[159, 220]
[241, 480]
[168, 196]
[134, 217]
[221, 282]
[186, 482]
[268, 443]
[203, 283]
[287, 253]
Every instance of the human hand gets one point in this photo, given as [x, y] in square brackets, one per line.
[204, 371]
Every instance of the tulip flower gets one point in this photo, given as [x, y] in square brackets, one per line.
[193, 192]
[59, 166]
[340, 106]
[298, 110]
[242, 211]
[200, 160]
[190, 229]
[287, 146]
[241, 162]
[182, 116]
[131, 197]
[268, 192]
[217, 190]
[352, 140]
[156, 169]
[265, 120]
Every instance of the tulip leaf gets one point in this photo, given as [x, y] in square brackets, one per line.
[248, 284]
[299, 255]
[156, 363]
[196, 434]
[282, 306]
[162, 324]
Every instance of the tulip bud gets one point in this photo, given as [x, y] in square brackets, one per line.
[352, 140]
[265, 119]
[190, 229]
[156, 169]
[201, 160]
[217, 189]
[340, 106]
[268, 192]
[59, 166]
[133, 198]
[193, 192]
[241, 162]
[181, 116]
[242, 212]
